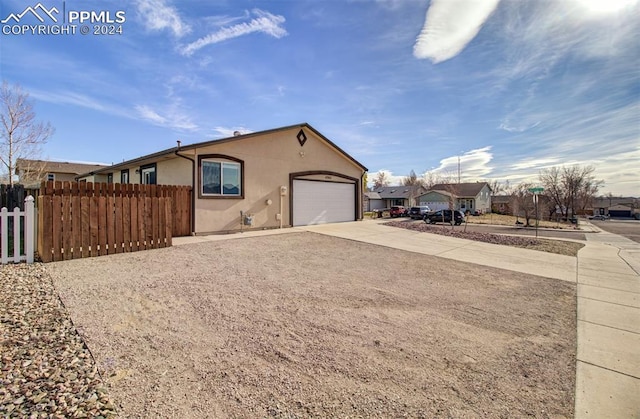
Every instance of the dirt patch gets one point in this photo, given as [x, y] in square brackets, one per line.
[305, 325]
[544, 245]
[509, 220]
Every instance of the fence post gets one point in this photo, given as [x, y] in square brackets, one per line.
[29, 221]
[16, 234]
[4, 217]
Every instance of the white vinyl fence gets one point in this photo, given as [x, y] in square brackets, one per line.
[14, 218]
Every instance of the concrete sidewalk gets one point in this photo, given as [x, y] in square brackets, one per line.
[608, 357]
[606, 273]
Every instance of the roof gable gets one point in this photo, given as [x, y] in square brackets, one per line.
[235, 137]
[57, 167]
[398, 192]
[470, 190]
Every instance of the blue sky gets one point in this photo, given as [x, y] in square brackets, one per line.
[507, 86]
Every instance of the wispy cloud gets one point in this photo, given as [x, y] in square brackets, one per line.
[170, 118]
[264, 22]
[449, 26]
[225, 132]
[473, 164]
[157, 15]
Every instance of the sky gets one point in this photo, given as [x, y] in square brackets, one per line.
[504, 88]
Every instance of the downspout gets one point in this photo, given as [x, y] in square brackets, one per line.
[193, 189]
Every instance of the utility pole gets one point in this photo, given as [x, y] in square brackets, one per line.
[458, 170]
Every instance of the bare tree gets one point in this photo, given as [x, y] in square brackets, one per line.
[381, 180]
[412, 180]
[499, 188]
[522, 201]
[433, 178]
[570, 188]
[21, 136]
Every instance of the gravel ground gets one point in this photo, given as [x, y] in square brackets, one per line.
[305, 325]
[46, 370]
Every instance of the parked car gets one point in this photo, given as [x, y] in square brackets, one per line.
[446, 216]
[599, 217]
[418, 213]
[397, 211]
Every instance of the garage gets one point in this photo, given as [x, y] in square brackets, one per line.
[620, 211]
[321, 202]
[435, 205]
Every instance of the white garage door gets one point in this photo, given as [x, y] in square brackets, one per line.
[322, 202]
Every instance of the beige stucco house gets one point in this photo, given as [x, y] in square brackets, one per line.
[287, 176]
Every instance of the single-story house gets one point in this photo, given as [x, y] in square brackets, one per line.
[615, 206]
[621, 211]
[398, 195]
[289, 176]
[464, 196]
[373, 201]
[35, 171]
[501, 204]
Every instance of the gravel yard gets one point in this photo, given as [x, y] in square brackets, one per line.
[45, 368]
[306, 325]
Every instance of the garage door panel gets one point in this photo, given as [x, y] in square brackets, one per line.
[322, 202]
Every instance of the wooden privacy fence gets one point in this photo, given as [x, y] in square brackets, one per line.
[85, 219]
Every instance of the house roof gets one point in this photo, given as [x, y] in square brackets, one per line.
[58, 167]
[397, 192]
[462, 190]
[606, 202]
[170, 152]
[372, 195]
[501, 199]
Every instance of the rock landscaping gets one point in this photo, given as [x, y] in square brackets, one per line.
[46, 371]
[545, 245]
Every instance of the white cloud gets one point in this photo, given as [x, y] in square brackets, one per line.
[393, 180]
[157, 15]
[172, 118]
[225, 132]
[264, 22]
[449, 26]
[473, 164]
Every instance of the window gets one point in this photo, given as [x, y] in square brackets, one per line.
[220, 177]
[109, 177]
[51, 176]
[124, 176]
[148, 174]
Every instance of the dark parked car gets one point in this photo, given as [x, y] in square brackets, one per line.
[445, 216]
[418, 213]
[397, 211]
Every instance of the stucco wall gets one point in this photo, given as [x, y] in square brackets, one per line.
[269, 160]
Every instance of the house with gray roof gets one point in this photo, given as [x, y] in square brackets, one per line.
[462, 196]
[405, 196]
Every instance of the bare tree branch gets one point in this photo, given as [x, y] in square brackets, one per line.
[21, 136]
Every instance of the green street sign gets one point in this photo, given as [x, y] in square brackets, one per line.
[536, 190]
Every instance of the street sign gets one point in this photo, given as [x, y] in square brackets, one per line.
[536, 190]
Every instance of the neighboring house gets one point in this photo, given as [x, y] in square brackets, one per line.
[35, 171]
[462, 196]
[405, 196]
[621, 211]
[501, 204]
[615, 206]
[373, 201]
[287, 176]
